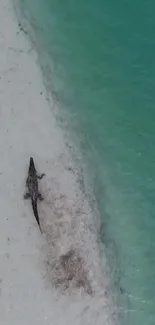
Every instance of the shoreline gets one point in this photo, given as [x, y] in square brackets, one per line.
[33, 272]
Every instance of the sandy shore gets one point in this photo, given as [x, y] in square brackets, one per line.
[54, 278]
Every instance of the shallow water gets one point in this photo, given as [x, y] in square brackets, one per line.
[98, 59]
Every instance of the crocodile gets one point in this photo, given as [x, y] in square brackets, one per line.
[32, 185]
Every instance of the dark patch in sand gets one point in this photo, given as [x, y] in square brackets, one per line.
[70, 272]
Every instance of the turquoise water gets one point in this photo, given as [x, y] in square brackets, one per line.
[98, 59]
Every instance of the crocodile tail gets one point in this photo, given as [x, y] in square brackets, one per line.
[35, 211]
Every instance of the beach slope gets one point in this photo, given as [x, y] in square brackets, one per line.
[54, 278]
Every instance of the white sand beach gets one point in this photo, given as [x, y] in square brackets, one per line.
[33, 280]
